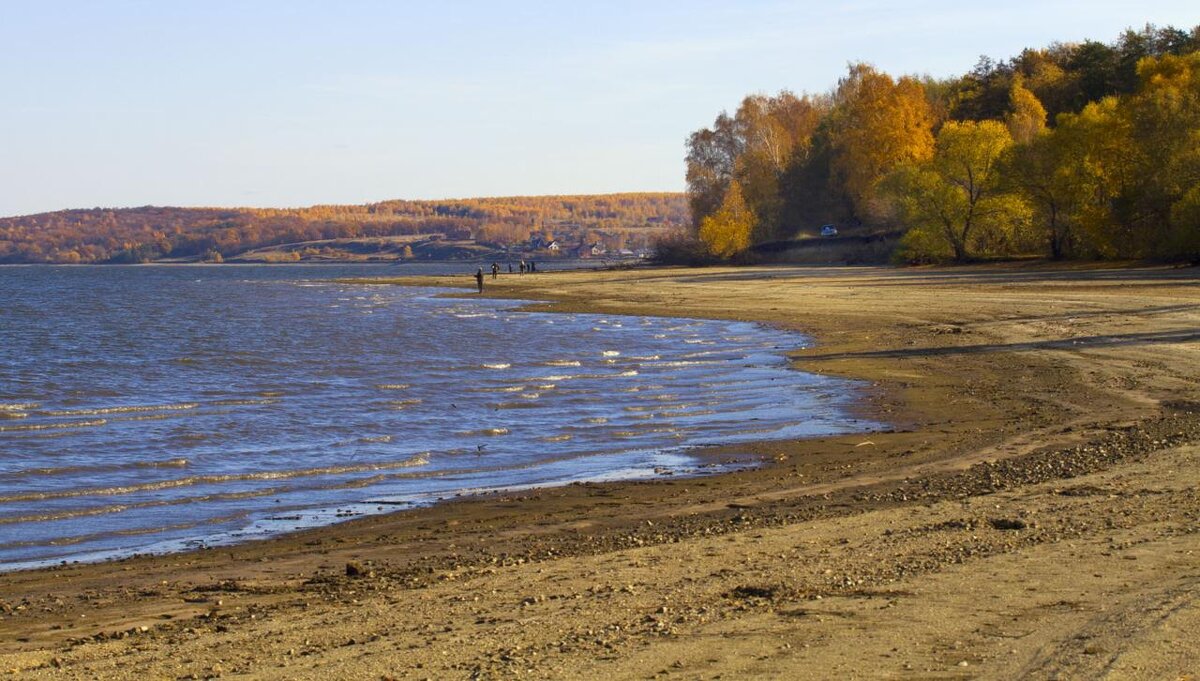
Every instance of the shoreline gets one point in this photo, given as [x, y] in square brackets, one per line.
[978, 370]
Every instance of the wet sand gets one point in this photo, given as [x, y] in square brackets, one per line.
[1032, 513]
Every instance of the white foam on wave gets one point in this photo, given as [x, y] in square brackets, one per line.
[242, 402]
[403, 404]
[611, 353]
[119, 410]
[562, 363]
[498, 365]
[491, 432]
[54, 426]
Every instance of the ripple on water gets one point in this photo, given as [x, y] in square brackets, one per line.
[285, 406]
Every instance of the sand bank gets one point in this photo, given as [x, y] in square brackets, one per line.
[1033, 513]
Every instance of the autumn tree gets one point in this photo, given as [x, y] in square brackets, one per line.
[755, 148]
[774, 133]
[877, 124]
[950, 202]
[712, 154]
[727, 231]
[1026, 117]
[1163, 119]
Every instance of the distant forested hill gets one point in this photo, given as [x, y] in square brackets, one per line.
[130, 235]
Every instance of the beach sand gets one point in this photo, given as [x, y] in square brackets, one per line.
[1033, 512]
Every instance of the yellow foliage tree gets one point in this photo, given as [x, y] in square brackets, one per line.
[727, 232]
[1028, 117]
[877, 125]
[951, 202]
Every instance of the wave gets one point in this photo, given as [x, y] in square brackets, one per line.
[132, 532]
[102, 468]
[515, 405]
[562, 363]
[53, 426]
[119, 410]
[485, 431]
[411, 462]
[391, 386]
[497, 365]
[19, 406]
[243, 402]
[403, 404]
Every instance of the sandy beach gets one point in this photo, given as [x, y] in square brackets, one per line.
[1031, 512]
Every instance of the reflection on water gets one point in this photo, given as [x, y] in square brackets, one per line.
[157, 408]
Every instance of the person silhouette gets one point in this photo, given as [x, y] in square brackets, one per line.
[495, 270]
[479, 279]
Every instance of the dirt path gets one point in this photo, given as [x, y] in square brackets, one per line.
[1032, 514]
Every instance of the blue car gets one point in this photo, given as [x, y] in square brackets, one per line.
[828, 230]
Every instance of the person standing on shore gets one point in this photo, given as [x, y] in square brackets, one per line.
[495, 270]
[479, 279]
[522, 267]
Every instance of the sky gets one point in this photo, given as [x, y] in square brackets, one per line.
[292, 102]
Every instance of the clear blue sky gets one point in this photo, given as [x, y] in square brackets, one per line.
[290, 103]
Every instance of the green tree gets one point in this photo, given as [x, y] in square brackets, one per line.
[951, 203]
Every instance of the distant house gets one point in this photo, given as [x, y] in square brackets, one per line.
[590, 251]
[553, 246]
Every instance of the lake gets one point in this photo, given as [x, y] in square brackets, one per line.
[161, 408]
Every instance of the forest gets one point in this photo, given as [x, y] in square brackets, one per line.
[147, 234]
[1074, 151]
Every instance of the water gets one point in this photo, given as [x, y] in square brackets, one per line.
[149, 409]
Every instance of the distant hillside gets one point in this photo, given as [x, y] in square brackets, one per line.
[149, 233]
